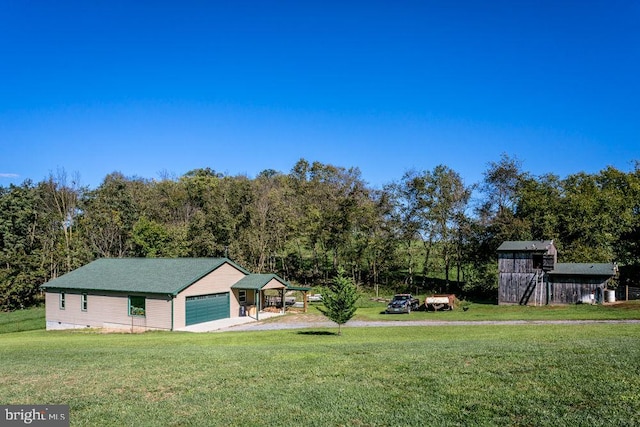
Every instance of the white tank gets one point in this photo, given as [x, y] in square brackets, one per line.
[609, 296]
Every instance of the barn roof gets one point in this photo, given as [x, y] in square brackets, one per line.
[144, 275]
[525, 245]
[584, 269]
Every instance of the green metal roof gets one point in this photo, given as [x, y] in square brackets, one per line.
[584, 269]
[298, 288]
[145, 275]
[257, 281]
[525, 245]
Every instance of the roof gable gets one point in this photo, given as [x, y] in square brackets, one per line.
[526, 246]
[584, 269]
[257, 281]
[144, 275]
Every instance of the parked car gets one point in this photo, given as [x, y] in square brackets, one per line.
[314, 298]
[402, 303]
[274, 300]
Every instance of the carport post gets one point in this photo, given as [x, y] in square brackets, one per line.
[256, 296]
[282, 300]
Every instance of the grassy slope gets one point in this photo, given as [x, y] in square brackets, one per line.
[22, 320]
[485, 375]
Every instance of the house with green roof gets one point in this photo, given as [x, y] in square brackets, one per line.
[157, 293]
[529, 274]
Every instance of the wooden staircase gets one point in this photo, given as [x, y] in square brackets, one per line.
[535, 288]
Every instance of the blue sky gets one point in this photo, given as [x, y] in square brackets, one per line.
[147, 88]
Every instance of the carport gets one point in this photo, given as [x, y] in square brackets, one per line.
[251, 292]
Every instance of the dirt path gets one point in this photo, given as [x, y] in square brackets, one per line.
[313, 321]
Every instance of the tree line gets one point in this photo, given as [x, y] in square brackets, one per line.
[428, 230]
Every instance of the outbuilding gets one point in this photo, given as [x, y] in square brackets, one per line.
[156, 293]
[579, 282]
[529, 274]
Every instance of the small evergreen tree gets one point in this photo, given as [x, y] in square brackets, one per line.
[339, 300]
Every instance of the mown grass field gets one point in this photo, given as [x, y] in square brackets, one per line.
[547, 375]
[372, 310]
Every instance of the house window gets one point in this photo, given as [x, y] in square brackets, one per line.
[137, 306]
[83, 305]
[242, 297]
[63, 301]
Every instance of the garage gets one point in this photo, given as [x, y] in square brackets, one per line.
[206, 308]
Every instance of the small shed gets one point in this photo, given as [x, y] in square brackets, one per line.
[576, 282]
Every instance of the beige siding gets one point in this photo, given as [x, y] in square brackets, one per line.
[106, 311]
[273, 284]
[218, 281]
[249, 294]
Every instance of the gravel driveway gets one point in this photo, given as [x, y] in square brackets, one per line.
[312, 321]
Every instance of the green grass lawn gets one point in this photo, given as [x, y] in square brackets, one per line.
[547, 375]
[372, 310]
